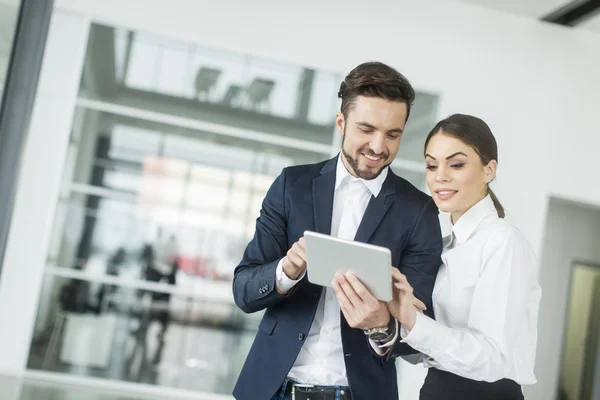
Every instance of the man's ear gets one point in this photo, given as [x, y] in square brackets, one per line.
[340, 122]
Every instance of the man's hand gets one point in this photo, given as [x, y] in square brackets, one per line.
[404, 305]
[294, 264]
[360, 308]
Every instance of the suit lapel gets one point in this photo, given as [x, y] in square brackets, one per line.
[323, 187]
[376, 210]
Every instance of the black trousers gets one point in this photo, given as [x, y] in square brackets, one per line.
[442, 385]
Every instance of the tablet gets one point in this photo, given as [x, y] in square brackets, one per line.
[326, 255]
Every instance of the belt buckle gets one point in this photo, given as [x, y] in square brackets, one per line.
[294, 385]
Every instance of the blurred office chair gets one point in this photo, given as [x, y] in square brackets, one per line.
[232, 96]
[259, 92]
[206, 79]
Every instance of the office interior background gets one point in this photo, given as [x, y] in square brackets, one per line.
[158, 126]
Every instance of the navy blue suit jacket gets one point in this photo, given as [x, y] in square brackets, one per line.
[401, 218]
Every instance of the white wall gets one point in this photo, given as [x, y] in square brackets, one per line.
[535, 84]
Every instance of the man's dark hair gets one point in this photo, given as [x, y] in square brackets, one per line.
[375, 79]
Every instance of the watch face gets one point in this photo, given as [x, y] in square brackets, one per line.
[378, 336]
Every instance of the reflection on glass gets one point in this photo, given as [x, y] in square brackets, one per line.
[9, 13]
[145, 241]
[182, 79]
[140, 335]
[180, 69]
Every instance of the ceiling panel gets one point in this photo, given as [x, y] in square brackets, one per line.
[592, 24]
[529, 8]
[534, 9]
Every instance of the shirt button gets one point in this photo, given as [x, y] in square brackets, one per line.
[315, 296]
[301, 337]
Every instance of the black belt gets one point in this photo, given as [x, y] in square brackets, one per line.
[297, 391]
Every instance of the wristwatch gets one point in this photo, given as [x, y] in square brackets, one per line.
[383, 333]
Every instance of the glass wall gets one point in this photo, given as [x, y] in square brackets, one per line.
[9, 15]
[173, 148]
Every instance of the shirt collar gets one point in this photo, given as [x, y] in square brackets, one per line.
[470, 220]
[374, 185]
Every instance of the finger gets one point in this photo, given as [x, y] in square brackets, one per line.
[339, 278]
[361, 290]
[299, 249]
[404, 287]
[301, 243]
[419, 304]
[295, 259]
[349, 290]
[341, 296]
[301, 252]
[396, 274]
[349, 318]
[395, 293]
[399, 277]
[343, 300]
[337, 288]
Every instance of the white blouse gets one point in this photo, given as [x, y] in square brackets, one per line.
[485, 300]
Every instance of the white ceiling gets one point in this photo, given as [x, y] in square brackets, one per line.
[534, 9]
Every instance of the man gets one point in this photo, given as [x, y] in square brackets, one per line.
[305, 345]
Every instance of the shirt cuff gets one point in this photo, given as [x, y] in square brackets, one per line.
[404, 332]
[381, 348]
[426, 334]
[282, 282]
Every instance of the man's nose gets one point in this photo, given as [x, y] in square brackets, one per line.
[376, 144]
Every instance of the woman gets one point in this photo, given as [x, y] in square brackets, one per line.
[486, 296]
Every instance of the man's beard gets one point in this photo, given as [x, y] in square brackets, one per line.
[363, 174]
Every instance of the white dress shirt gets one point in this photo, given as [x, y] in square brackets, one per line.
[321, 359]
[485, 300]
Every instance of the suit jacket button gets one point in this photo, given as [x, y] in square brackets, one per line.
[315, 296]
[301, 337]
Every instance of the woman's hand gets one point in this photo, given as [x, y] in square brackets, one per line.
[404, 304]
